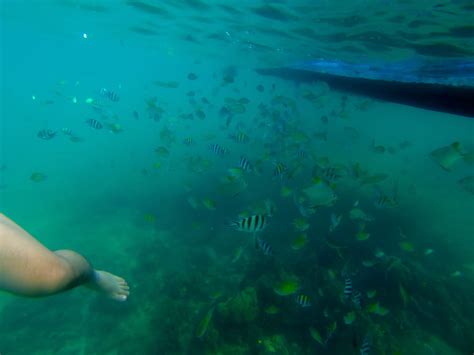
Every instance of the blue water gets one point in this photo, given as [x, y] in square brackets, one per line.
[160, 220]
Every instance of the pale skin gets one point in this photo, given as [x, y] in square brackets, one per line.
[28, 268]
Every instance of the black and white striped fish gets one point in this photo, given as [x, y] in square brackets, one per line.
[244, 164]
[384, 201]
[301, 154]
[366, 346]
[66, 131]
[279, 169]
[112, 96]
[241, 137]
[251, 224]
[356, 297]
[46, 134]
[94, 123]
[331, 174]
[303, 300]
[347, 288]
[217, 149]
[188, 141]
[263, 246]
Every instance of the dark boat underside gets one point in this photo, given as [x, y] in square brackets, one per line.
[458, 100]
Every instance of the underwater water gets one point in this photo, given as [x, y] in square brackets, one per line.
[249, 214]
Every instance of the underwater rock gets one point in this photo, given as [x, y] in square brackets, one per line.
[240, 309]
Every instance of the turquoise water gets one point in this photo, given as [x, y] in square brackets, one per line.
[135, 199]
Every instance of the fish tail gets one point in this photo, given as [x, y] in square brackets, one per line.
[233, 224]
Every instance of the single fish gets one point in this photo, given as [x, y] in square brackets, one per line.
[378, 149]
[192, 76]
[371, 293]
[240, 137]
[114, 127]
[279, 170]
[376, 308]
[299, 242]
[316, 336]
[385, 201]
[349, 318]
[347, 288]
[245, 164]
[204, 323]
[234, 173]
[286, 191]
[356, 298]
[301, 224]
[200, 114]
[287, 287]
[66, 131]
[428, 251]
[447, 156]
[166, 84]
[209, 204]
[362, 235]
[303, 300]
[251, 224]
[38, 177]
[162, 151]
[335, 221]
[149, 217]
[272, 310]
[94, 123]
[188, 141]
[217, 149]
[46, 134]
[112, 96]
[366, 346]
[263, 246]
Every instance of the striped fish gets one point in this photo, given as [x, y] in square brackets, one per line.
[112, 96]
[217, 149]
[384, 201]
[365, 348]
[94, 123]
[244, 164]
[356, 297]
[279, 169]
[241, 137]
[331, 174]
[66, 131]
[251, 224]
[303, 300]
[188, 141]
[347, 288]
[46, 134]
[263, 246]
[301, 154]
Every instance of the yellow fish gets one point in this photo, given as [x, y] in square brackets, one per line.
[209, 204]
[299, 242]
